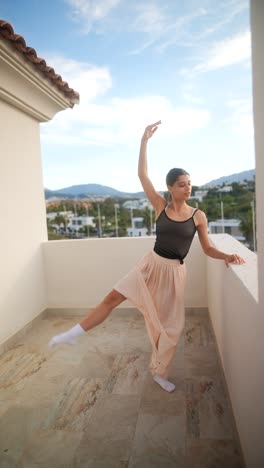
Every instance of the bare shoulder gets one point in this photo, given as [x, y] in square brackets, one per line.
[200, 218]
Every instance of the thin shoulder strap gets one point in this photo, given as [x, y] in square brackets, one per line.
[194, 211]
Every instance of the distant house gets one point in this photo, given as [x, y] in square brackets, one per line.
[199, 195]
[140, 204]
[138, 228]
[226, 189]
[78, 222]
[53, 214]
[227, 226]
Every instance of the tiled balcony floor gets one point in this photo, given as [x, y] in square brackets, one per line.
[95, 405]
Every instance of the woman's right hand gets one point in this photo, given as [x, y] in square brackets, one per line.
[150, 130]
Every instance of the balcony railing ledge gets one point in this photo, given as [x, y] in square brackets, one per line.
[246, 273]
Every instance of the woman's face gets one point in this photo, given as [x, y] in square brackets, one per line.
[182, 188]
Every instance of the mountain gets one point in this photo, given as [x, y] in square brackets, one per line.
[90, 190]
[97, 190]
[239, 177]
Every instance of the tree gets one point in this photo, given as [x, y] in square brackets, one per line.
[60, 219]
[246, 227]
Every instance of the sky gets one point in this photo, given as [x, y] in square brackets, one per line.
[184, 62]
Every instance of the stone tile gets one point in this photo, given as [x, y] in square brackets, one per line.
[201, 312]
[198, 332]
[212, 454]
[50, 448]
[136, 338]
[74, 405]
[102, 453]
[178, 360]
[208, 412]
[156, 401]
[95, 404]
[109, 433]
[44, 329]
[94, 365]
[157, 459]
[17, 366]
[108, 339]
[128, 374]
[198, 359]
[157, 437]
[17, 425]
[115, 418]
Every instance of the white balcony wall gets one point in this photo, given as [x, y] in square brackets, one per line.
[80, 273]
[23, 290]
[257, 30]
[236, 317]
[26, 98]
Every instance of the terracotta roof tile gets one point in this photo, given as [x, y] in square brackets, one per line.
[7, 32]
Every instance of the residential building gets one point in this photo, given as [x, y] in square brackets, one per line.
[199, 195]
[78, 222]
[228, 226]
[140, 204]
[225, 189]
[138, 228]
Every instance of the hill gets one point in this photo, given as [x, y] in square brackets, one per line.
[90, 190]
[238, 177]
[97, 190]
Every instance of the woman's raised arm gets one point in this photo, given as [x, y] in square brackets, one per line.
[157, 201]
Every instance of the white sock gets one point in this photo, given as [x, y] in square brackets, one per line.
[69, 337]
[165, 384]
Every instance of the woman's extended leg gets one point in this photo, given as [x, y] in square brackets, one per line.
[94, 318]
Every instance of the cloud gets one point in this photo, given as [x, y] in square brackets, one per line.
[241, 118]
[149, 19]
[113, 120]
[89, 80]
[225, 14]
[160, 28]
[91, 12]
[227, 52]
[192, 99]
[157, 24]
[164, 27]
[221, 54]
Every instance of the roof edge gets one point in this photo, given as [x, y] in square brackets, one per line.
[18, 42]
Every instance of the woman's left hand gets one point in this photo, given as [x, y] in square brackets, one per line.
[234, 258]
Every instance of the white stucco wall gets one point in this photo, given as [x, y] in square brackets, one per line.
[23, 226]
[233, 303]
[27, 97]
[79, 273]
[257, 31]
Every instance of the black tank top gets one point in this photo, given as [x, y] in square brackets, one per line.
[174, 238]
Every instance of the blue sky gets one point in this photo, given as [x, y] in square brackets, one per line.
[186, 63]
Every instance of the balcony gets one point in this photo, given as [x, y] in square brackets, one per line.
[95, 404]
[43, 284]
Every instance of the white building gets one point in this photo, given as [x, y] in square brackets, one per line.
[226, 189]
[53, 214]
[138, 228]
[199, 195]
[140, 204]
[227, 226]
[77, 222]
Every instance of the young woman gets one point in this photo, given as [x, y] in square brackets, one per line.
[156, 284]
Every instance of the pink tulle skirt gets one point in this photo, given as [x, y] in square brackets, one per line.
[156, 287]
